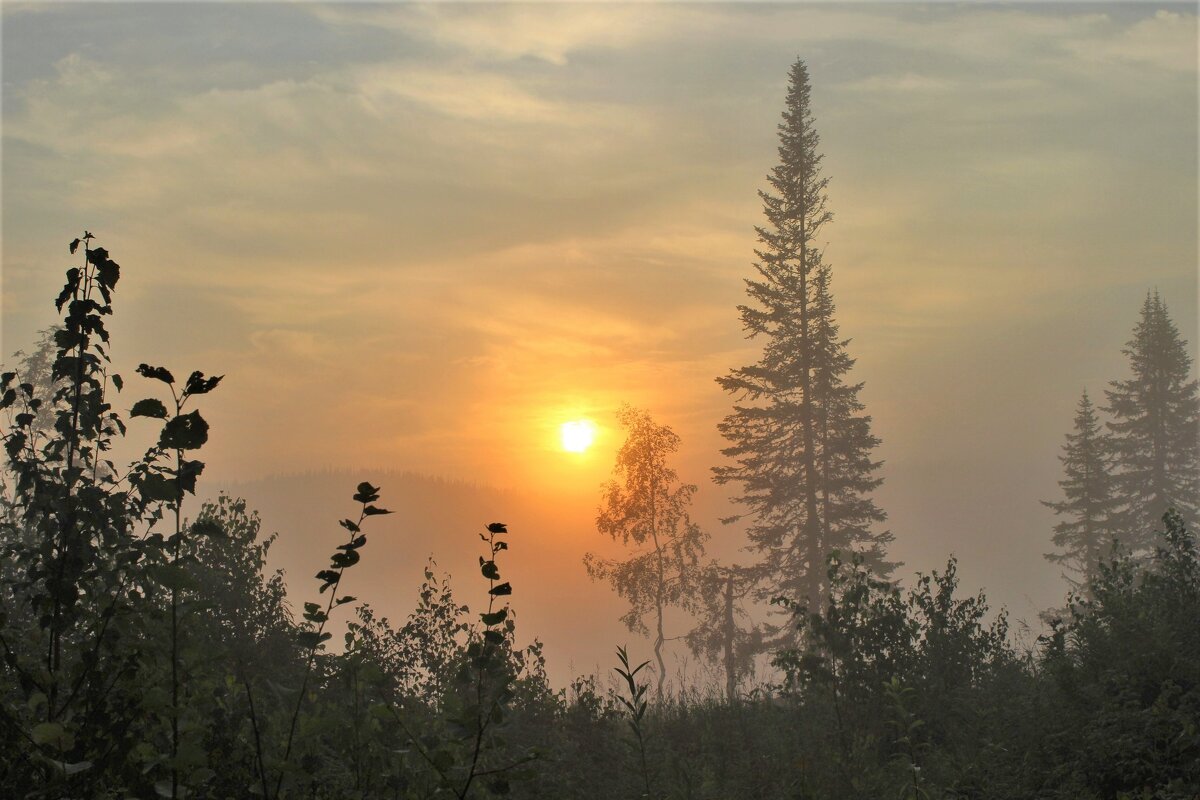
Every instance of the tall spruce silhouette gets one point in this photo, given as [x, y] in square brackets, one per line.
[1154, 426]
[800, 443]
[1089, 505]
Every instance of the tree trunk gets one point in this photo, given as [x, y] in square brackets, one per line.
[730, 632]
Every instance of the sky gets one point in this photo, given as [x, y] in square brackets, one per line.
[421, 237]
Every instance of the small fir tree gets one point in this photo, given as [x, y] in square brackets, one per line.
[1155, 419]
[1084, 537]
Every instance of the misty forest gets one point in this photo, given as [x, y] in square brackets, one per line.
[152, 647]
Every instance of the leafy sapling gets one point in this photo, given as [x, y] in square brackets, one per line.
[463, 757]
[69, 536]
[167, 485]
[487, 566]
[635, 707]
[314, 638]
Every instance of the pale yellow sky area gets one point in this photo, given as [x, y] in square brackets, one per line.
[422, 236]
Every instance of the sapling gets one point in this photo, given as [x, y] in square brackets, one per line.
[180, 432]
[635, 707]
[313, 639]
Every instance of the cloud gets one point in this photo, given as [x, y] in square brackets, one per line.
[1166, 41]
[547, 32]
[475, 96]
[569, 189]
[904, 83]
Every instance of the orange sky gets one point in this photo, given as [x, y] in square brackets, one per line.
[421, 237]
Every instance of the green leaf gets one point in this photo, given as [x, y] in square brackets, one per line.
[174, 576]
[495, 637]
[208, 527]
[495, 618]
[198, 384]
[366, 493]
[36, 701]
[371, 511]
[150, 407]
[185, 432]
[68, 289]
[158, 488]
[502, 589]
[118, 381]
[312, 639]
[107, 271]
[155, 373]
[490, 571]
[187, 473]
[354, 544]
[53, 734]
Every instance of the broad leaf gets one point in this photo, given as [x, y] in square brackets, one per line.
[150, 407]
[185, 432]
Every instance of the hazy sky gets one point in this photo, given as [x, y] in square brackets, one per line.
[422, 236]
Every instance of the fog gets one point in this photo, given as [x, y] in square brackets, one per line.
[417, 239]
[707, 401]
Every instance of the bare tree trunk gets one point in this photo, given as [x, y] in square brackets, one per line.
[658, 643]
[730, 632]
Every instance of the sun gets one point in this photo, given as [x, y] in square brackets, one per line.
[577, 436]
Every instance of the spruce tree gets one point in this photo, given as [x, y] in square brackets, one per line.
[1084, 537]
[1154, 426]
[798, 438]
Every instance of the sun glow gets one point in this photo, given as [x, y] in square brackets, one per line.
[578, 436]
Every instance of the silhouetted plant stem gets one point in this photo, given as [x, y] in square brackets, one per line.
[491, 640]
[332, 578]
[308, 664]
[176, 541]
[54, 655]
[258, 749]
[636, 706]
